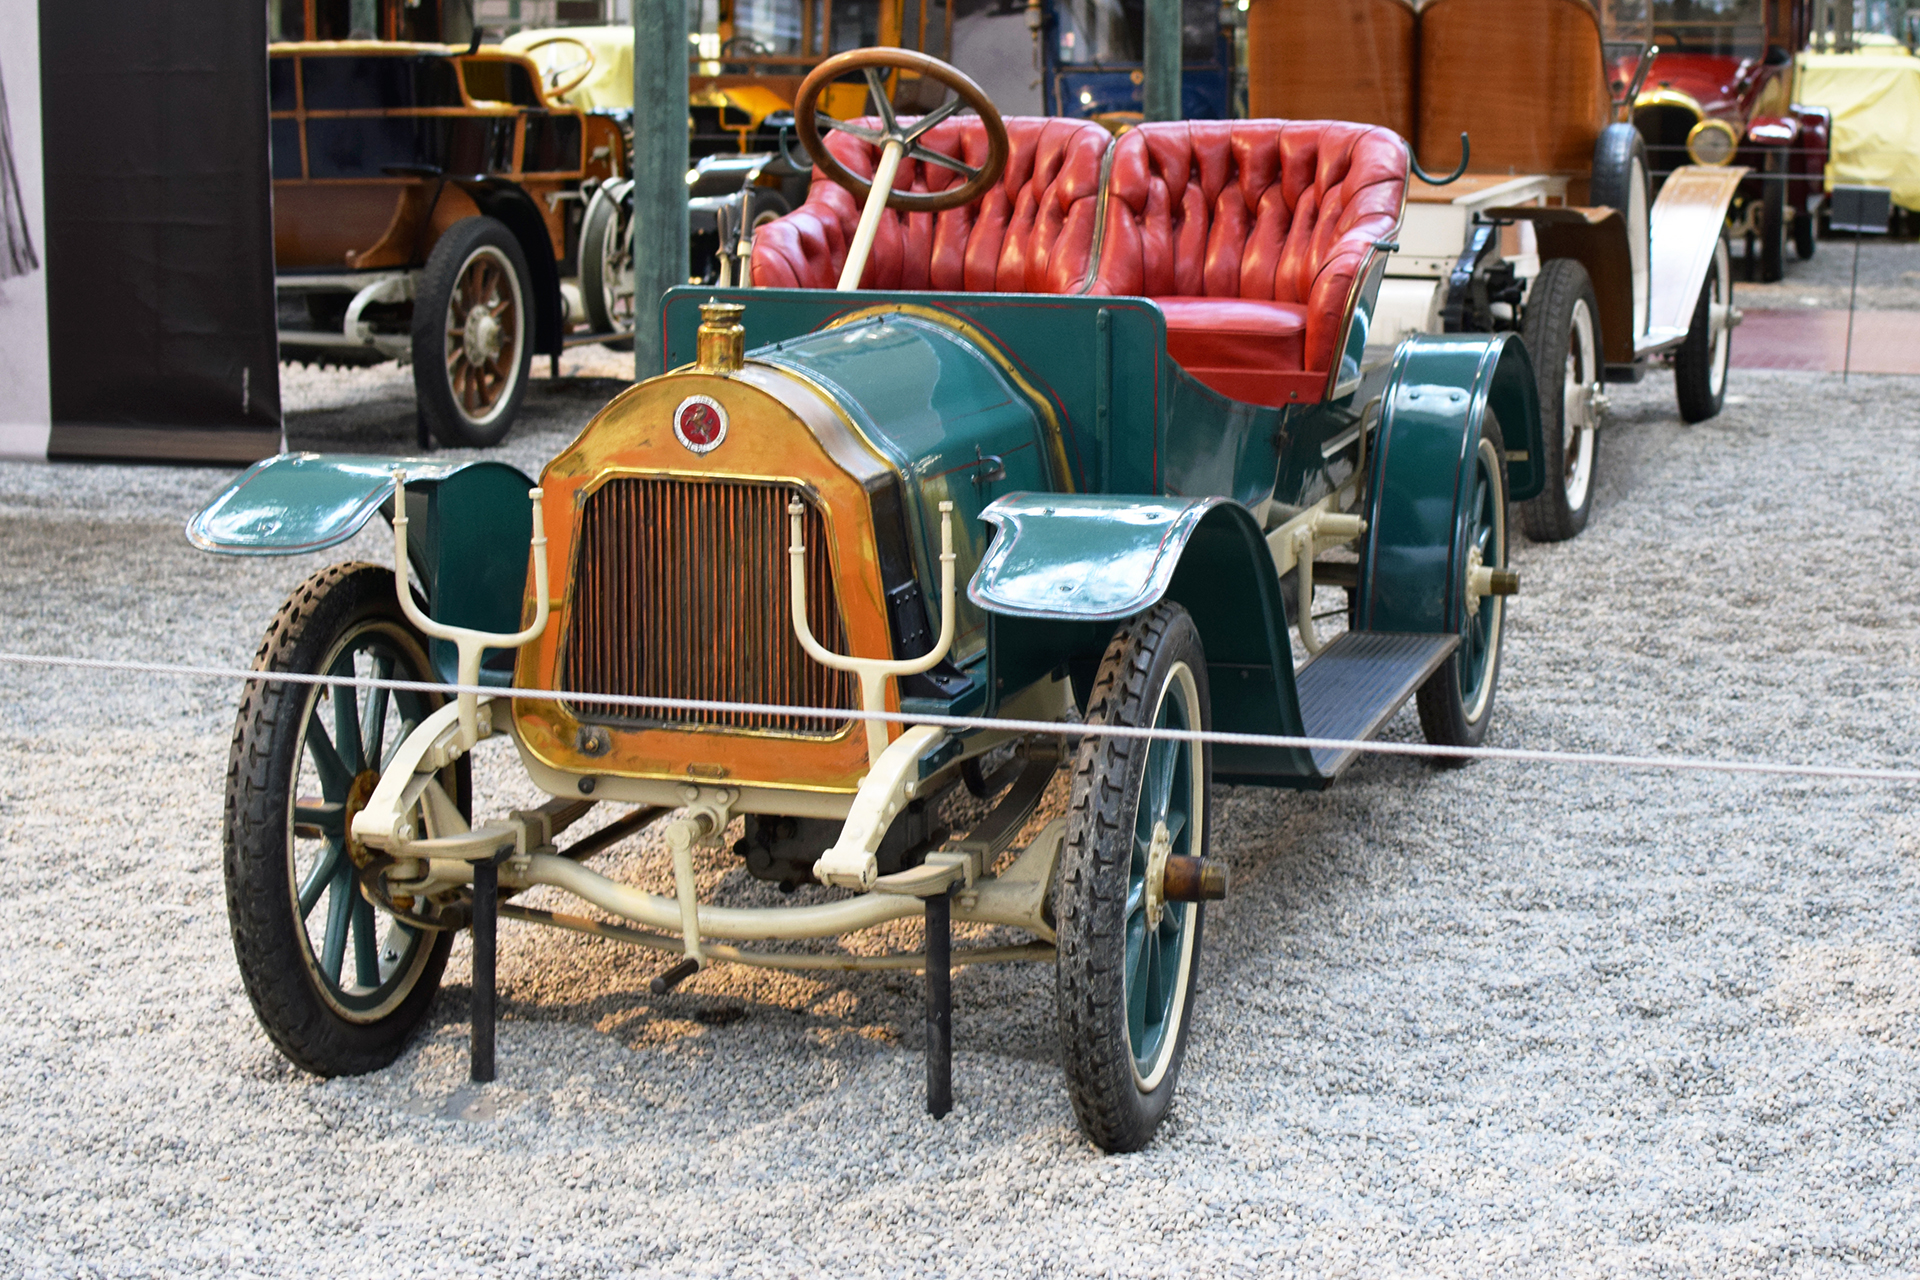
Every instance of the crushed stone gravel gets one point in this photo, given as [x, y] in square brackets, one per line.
[1540, 1021]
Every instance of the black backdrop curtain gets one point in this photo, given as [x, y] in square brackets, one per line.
[159, 253]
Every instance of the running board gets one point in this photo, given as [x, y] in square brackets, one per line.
[1356, 684]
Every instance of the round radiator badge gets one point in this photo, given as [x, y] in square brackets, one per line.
[700, 423]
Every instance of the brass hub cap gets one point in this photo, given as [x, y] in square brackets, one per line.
[1157, 854]
[358, 794]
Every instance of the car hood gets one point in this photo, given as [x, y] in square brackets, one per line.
[1705, 82]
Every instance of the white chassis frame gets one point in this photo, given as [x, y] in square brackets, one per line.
[411, 818]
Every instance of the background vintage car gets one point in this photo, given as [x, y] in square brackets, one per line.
[1552, 229]
[428, 205]
[1720, 91]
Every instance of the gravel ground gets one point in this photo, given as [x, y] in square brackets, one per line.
[1552, 1021]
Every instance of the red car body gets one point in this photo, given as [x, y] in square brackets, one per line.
[1784, 144]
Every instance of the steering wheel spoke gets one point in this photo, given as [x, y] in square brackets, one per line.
[931, 119]
[859, 131]
[926, 156]
[882, 104]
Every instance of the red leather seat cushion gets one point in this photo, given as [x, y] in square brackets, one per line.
[1252, 351]
[1031, 233]
[1264, 211]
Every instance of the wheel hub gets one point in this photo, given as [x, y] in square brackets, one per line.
[482, 335]
[1157, 853]
[358, 793]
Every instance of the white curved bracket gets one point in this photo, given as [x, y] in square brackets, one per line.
[471, 644]
[873, 672]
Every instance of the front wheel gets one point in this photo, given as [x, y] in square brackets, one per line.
[338, 983]
[1773, 225]
[1562, 334]
[1803, 227]
[1700, 364]
[1127, 957]
[473, 334]
[1456, 702]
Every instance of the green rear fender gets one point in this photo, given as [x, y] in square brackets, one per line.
[1063, 569]
[470, 529]
[1438, 394]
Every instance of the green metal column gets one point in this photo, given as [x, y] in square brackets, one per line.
[1161, 90]
[659, 170]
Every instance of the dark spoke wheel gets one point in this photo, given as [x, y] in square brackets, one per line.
[1127, 956]
[473, 333]
[1456, 702]
[338, 983]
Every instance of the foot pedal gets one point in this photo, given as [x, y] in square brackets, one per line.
[674, 976]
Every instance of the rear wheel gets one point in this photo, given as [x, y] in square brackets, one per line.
[1803, 227]
[1701, 361]
[1127, 958]
[606, 263]
[473, 333]
[1456, 702]
[1562, 333]
[1621, 181]
[338, 983]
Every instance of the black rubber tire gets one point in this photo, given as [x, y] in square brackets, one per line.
[1804, 224]
[1562, 293]
[1773, 223]
[1699, 371]
[1446, 718]
[452, 423]
[607, 214]
[1614, 153]
[1091, 888]
[270, 942]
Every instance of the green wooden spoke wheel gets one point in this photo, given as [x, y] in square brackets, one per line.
[338, 982]
[1126, 955]
[1456, 702]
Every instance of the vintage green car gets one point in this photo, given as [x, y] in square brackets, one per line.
[1116, 387]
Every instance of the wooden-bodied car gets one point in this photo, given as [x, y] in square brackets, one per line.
[424, 198]
[1121, 388]
[1549, 227]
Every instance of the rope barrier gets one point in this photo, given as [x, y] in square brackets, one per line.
[1055, 727]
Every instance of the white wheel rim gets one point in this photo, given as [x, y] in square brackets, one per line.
[1720, 280]
[1577, 412]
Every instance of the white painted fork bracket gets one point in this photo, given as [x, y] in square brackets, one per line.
[431, 747]
[853, 862]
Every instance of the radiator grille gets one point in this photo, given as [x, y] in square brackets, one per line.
[680, 591]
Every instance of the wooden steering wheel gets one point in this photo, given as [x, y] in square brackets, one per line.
[901, 139]
[552, 74]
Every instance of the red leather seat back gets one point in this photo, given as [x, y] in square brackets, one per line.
[1032, 233]
[1264, 210]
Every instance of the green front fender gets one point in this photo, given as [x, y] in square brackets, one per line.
[1439, 392]
[1065, 568]
[470, 528]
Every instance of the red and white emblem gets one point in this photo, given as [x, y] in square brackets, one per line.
[700, 424]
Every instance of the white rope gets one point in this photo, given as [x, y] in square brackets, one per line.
[1060, 728]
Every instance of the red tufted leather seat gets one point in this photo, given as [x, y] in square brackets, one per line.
[1032, 233]
[1249, 234]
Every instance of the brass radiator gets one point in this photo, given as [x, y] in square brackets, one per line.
[680, 591]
